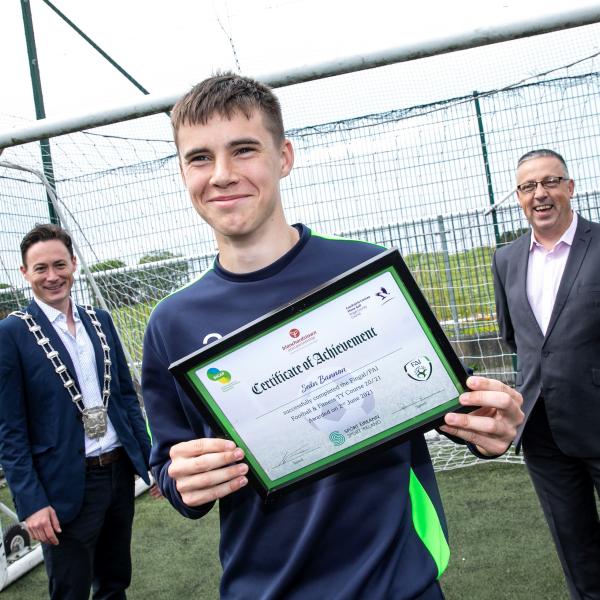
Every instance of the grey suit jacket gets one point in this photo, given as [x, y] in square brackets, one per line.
[564, 365]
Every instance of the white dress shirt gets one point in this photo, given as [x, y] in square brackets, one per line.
[544, 273]
[81, 351]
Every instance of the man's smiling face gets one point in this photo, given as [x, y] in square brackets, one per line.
[49, 270]
[547, 210]
[232, 168]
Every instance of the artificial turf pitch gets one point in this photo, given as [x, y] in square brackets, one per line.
[501, 547]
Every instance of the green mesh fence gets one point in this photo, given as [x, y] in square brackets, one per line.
[419, 177]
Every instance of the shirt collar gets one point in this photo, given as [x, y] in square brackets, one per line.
[567, 237]
[53, 314]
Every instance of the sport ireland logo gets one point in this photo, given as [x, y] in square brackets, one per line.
[337, 438]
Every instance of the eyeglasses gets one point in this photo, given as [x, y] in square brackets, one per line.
[548, 183]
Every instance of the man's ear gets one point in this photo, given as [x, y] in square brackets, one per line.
[287, 158]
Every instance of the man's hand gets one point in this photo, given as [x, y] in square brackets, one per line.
[43, 525]
[493, 426]
[205, 470]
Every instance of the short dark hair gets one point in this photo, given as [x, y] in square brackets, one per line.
[541, 153]
[44, 232]
[226, 94]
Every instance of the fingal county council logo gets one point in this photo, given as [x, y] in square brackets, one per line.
[218, 375]
[294, 333]
[382, 294]
[336, 438]
[418, 369]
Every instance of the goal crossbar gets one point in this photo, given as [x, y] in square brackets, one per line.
[153, 104]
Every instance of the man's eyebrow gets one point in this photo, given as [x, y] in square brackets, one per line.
[244, 142]
[194, 151]
[232, 144]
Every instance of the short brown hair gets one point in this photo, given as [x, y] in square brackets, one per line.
[226, 94]
[45, 232]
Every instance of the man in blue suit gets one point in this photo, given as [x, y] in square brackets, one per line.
[547, 286]
[72, 434]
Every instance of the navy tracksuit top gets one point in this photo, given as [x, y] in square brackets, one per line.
[375, 529]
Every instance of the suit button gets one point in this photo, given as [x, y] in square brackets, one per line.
[545, 353]
[81, 451]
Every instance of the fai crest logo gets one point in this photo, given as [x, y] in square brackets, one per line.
[418, 369]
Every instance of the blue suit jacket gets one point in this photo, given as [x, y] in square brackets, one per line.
[562, 366]
[42, 448]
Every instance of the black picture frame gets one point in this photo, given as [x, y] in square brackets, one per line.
[389, 260]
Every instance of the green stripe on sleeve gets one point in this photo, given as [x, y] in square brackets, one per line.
[427, 524]
[345, 239]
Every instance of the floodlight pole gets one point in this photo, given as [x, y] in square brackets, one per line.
[38, 99]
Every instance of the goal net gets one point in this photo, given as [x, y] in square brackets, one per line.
[402, 163]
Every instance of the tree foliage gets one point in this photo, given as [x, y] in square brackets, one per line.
[11, 299]
[510, 236]
[114, 285]
[155, 256]
[158, 273]
[157, 281]
[107, 265]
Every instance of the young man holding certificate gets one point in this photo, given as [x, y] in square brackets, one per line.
[374, 529]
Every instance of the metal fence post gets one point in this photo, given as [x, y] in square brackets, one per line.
[486, 164]
[38, 99]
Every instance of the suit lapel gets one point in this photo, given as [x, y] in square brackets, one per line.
[581, 242]
[48, 330]
[99, 355]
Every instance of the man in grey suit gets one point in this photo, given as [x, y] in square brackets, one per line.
[547, 286]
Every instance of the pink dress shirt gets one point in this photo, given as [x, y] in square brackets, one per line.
[544, 272]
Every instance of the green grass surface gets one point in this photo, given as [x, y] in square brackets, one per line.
[501, 548]
[500, 543]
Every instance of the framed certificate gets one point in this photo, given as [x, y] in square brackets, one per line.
[356, 364]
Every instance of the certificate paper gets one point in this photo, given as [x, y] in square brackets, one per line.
[337, 376]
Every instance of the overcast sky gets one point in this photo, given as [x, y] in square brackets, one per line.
[168, 46]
